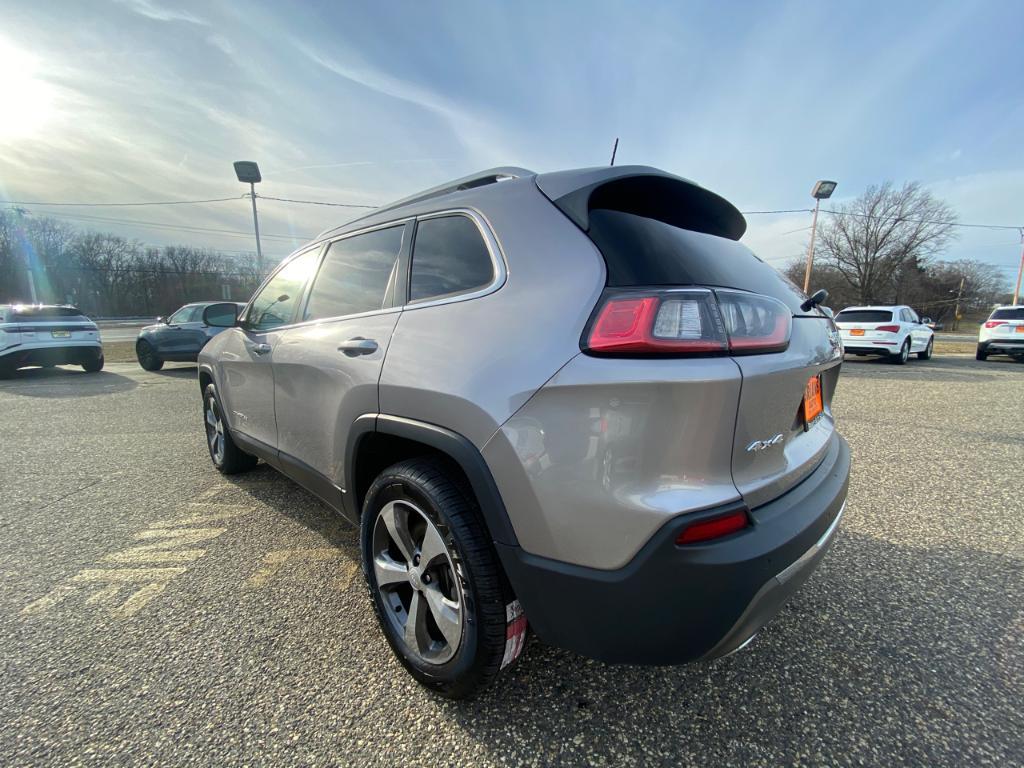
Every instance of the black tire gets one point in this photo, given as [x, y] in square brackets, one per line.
[437, 493]
[148, 358]
[901, 357]
[927, 353]
[227, 457]
[982, 353]
[95, 365]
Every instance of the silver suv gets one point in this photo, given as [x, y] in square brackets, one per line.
[568, 401]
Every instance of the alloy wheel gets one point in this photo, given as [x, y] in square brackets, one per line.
[214, 430]
[418, 581]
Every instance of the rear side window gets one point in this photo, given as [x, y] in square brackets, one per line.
[1015, 313]
[449, 257]
[188, 314]
[357, 275]
[641, 251]
[864, 316]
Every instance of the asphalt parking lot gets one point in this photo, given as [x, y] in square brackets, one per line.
[251, 641]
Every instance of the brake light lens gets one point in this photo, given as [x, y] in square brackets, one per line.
[994, 323]
[683, 322]
[715, 528]
[888, 328]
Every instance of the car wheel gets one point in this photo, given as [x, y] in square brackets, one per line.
[227, 457]
[93, 366]
[148, 358]
[903, 355]
[927, 353]
[439, 593]
[981, 354]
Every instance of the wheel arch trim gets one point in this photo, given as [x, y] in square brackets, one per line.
[455, 446]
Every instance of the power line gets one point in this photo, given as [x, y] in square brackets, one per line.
[885, 218]
[315, 202]
[117, 205]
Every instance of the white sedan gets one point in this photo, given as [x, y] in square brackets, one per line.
[894, 332]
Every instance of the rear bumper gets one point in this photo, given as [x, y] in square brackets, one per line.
[674, 604]
[887, 348]
[1011, 345]
[73, 353]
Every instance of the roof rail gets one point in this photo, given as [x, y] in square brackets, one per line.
[479, 179]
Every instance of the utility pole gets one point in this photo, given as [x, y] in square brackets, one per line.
[615, 149]
[956, 309]
[810, 248]
[22, 213]
[248, 172]
[1020, 269]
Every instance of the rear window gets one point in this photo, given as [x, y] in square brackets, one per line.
[864, 316]
[44, 314]
[641, 251]
[1015, 313]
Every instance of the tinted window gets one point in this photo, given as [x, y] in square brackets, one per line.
[864, 316]
[1008, 314]
[275, 304]
[220, 315]
[643, 251]
[355, 274]
[40, 314]
[449, 256]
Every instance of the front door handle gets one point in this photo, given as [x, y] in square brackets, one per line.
[260, 349]
[358, 346]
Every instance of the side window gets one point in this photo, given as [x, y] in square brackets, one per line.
[183, 315]
[449, 256]
[275, 304]
[356, 275]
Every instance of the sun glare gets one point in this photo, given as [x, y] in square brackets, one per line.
[26, 102]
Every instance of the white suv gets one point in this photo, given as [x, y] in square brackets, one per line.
[1003, 333]
[894, 332]
[47, 335]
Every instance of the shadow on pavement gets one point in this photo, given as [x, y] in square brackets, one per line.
[961, 368]
[65, 382]
[888, 654]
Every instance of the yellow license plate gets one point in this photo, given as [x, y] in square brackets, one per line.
[812, 400]
[857, 332]
[61, 334]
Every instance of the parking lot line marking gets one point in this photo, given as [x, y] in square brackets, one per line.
[202, 514]
[164, 549]
[275, 560]
[115, 579]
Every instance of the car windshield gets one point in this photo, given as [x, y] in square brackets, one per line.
[1008, 313]
[864, 316]
[41, 314]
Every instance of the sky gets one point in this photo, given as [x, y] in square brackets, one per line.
[363, 103]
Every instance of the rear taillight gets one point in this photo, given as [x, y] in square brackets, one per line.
[683, 322]
[715, 528]
[994, 323]
[888, 328]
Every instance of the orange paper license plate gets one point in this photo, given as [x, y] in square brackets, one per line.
[812, 400]
[1020, 329]
[857, 332]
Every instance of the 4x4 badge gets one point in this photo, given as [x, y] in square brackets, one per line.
[761, 445]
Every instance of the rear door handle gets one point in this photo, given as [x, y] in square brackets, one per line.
[358, 346]
[260, 349]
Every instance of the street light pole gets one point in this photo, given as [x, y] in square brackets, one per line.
[1020, 269]
[956, 308]
[810, 248]
[248, 172]
[822, 191]
[256, 226]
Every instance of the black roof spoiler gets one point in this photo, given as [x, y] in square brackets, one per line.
[643, 190]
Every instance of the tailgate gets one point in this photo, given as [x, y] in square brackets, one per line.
[771, 398]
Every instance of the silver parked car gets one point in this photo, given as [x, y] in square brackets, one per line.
[570, 401]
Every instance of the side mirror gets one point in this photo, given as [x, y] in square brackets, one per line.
[162, 319]
[925, 320]
[818, 297]
[221, 315]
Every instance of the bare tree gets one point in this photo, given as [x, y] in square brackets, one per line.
[881, 241]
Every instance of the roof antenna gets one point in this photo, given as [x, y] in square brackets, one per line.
[614, 150]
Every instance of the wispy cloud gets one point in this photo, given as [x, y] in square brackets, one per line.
[152, 10]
